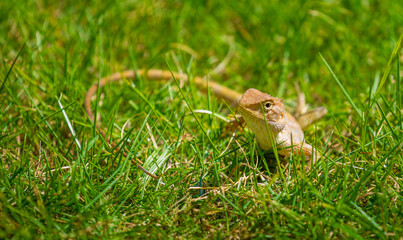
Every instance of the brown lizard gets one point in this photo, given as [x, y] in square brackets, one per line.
[264, 115]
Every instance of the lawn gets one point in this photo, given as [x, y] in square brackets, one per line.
[59, 178]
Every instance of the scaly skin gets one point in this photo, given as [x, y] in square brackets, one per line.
[264, 120]
[266, 117]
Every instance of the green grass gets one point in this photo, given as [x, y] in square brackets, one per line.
[60, 179]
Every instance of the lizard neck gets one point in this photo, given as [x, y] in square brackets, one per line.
[282, 133]
[268, 133]
[266, 117]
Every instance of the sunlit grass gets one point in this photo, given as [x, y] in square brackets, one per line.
[59, 178]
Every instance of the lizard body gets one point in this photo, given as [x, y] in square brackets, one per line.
[264, 115]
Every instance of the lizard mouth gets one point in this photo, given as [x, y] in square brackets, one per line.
[250, 114]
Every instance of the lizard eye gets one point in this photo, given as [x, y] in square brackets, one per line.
[267, 105]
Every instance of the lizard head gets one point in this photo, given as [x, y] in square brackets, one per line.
[259, 105]
[263, 114]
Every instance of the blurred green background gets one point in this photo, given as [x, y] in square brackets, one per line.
[67, 45]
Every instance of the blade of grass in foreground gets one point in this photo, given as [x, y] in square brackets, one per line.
[193, 113]
[389, 66]
[12, 66]
[357, 110]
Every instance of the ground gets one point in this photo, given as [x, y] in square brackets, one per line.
[60, 179]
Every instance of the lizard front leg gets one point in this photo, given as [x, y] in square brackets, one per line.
[310, 117]
[306, 149]
[304, 117]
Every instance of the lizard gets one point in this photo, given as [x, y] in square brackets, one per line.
[265, 115]
[273, 125]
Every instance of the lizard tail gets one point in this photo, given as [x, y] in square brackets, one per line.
[226, 94]
[221, 92]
